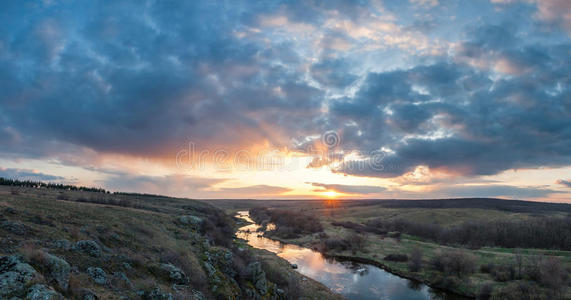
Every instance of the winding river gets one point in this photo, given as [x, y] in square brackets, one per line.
[352, 280]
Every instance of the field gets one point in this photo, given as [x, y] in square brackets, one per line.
[493, 269]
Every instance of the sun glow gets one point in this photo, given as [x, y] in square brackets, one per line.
[330, 194]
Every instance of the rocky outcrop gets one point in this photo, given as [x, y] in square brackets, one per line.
[43, 292]
[88, 247]
[15, 276]
[57, 271]
[98, 275]
[175, 274]
[190, 220]
[258, 277]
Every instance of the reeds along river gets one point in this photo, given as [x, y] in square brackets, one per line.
[352, 280]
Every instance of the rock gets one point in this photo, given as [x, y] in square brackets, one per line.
[89, 247]
[209, 268]
[294, 266]
[15, 276]
[98, 275]
[58, 271]
[197, 295]
[43, 292]
[190, 220]
[175, 274]
[258, 277]
[127, 266]
[15, 227]
[157, 294]
[121, 280]
[63, 244]
[88, 295]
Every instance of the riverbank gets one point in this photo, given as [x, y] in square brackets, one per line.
[430, 279]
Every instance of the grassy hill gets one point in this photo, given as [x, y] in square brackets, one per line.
[83, 244]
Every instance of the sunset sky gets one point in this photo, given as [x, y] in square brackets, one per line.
[289, 99]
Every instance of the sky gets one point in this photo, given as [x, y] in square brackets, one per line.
[289, 99]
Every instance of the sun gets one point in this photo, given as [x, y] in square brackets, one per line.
[330, 194]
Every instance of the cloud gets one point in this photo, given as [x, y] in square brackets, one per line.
[173, 185]
[26, 174]
[348, 189]
[254, 191]
[563, 182]
[80, 81]
[494, 191]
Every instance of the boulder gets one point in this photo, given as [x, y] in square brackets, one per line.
[43, 292]
[63, 244]
[58, 271]
[258, 277]
[98, 275]
[15, 276]
[157, 294]
[175, 274]
[88, 295]
[89, 247]
[120, 280]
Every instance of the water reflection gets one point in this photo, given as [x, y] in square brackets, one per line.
[352, 280]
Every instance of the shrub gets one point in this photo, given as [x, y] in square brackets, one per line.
[503, 273]
[553, 275]
[396, 257]
[357, 241]
[518, 291]
[335, 244]
[456, 262]
[415, 263]
[289, 223]
[487, 268]
[485, 292]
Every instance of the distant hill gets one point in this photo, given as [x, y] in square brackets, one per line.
[483, 203]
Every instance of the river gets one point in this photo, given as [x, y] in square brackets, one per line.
[352, 280]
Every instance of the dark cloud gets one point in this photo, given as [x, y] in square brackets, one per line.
[25, 174]
[126, 78]
[121, 77]
[564, 182]
[452, 116]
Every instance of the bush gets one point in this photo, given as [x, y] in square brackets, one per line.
[487, 268]
[357, 241]
[503, 273]
[456, 262]
[335, 244]
[415, 259]
[289, 223]
[396, 257]
[518, 291]
[485, 292]
[553, 275]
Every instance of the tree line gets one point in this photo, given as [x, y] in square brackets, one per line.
[50, 185]
[539, 232]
